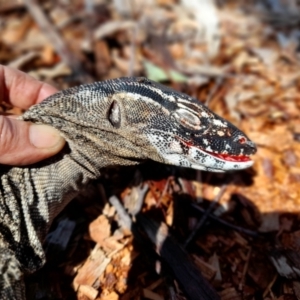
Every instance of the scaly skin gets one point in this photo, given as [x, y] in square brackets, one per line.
[117, 122]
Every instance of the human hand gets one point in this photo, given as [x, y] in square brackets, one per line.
[23, 143]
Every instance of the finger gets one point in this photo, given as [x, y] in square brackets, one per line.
[22, 90]
[23, 143]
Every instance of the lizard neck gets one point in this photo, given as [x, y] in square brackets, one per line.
[44, 189]
[75, 167]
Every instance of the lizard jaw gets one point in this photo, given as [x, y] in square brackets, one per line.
[201, 160]
[228, 157]
[217, 162]
[197, 158]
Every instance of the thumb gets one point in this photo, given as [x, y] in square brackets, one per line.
[23, 143]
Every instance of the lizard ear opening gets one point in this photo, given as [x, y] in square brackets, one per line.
[114, 114]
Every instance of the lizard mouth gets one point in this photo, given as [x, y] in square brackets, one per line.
[228, 157]
[223, 156]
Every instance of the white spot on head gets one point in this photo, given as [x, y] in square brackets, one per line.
[218, 122]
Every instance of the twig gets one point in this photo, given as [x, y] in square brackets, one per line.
[205, 216]
[227, 224]
[124, 218]
[245, 269]
[23, 59]
[213, 91]
[112, 27]
[132, 59]
[164, 190]
[268, 288]
[58, 43]
[207, 71]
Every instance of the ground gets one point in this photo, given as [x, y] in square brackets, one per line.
[240, 230]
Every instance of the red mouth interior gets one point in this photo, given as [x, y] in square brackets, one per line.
[227, 157]
[237, 158]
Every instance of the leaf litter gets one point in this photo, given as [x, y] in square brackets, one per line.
[243, 61]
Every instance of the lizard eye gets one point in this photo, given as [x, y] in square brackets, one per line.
[187, 119]
[114, 114]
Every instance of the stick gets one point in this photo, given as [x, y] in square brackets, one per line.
[56, 40]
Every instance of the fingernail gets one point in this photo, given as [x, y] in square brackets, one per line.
[44, 136]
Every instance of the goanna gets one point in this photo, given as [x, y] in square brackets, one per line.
[115, 122]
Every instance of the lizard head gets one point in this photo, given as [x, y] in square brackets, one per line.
[177, 129]
[125, 120]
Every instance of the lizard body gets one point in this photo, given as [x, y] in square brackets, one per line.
[115, 122]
